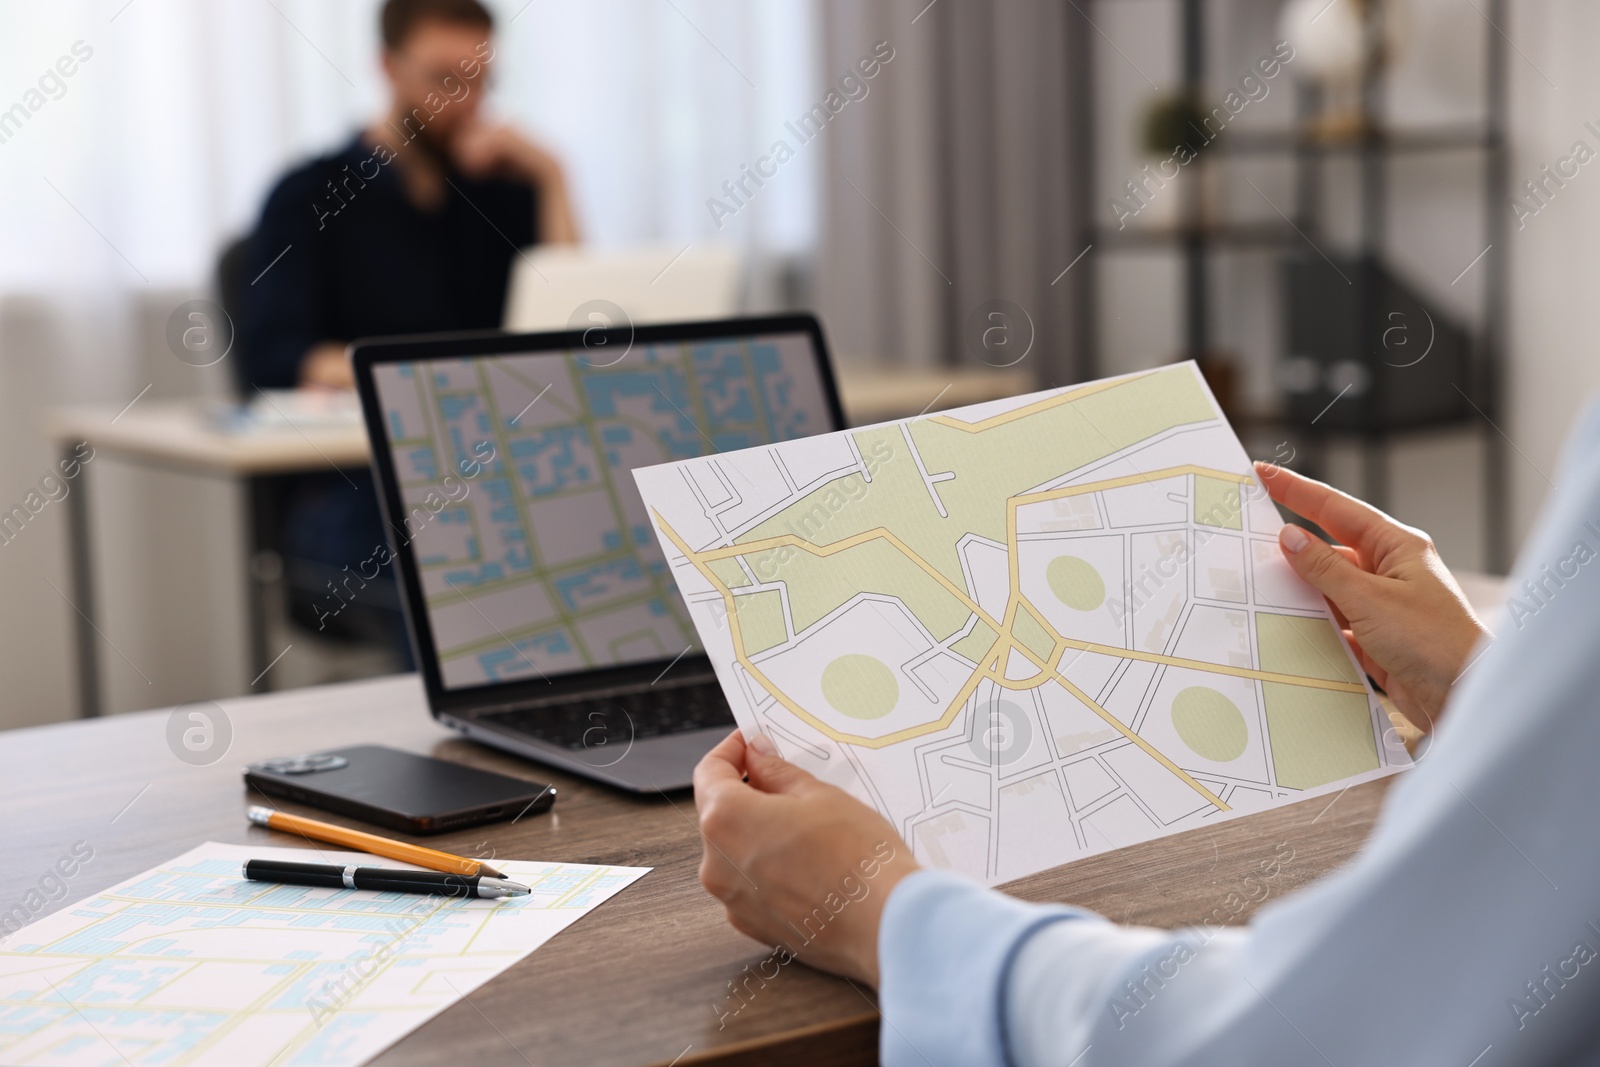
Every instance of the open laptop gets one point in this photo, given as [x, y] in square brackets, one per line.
[543, 614]
[558, 287]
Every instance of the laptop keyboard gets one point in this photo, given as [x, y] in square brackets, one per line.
[617, 719]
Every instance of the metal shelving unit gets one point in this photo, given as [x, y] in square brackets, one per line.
[1371, 149]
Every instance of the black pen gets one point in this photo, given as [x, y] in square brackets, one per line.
[382, 879]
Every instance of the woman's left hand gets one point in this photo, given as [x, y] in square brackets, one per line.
[798, 863]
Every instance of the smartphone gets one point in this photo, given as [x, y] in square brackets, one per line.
[400, 790]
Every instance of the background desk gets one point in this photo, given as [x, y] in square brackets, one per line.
[177, 434]
[645, 978]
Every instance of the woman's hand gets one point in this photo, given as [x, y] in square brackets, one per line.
[1405, 617]
[800, 865]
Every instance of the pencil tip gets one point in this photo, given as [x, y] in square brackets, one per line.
[489, 872]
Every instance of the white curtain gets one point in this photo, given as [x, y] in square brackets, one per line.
[947, 187]
[138, 136]
[169, 131]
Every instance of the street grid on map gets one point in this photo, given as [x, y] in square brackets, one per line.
[1026, 631]
[190, 964]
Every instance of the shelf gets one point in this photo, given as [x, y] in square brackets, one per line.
[1243, 235]
[1282, 422]
[1297, 144]
[1414, 141]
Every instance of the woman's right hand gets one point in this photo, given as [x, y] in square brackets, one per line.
[1404, 615]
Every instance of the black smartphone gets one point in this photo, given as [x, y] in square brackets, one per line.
[400, 790]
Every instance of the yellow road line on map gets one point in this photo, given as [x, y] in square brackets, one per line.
[700, 560]
[1115, 723]
[1118, 483]
[1034, 408]
[1004, 641]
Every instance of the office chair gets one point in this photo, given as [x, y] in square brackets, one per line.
[373, 618]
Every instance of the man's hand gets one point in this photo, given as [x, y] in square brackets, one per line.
[484, 150]
[1405, 617]
[327, 366]
[797, 862]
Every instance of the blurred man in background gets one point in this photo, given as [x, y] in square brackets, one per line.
[411, 227]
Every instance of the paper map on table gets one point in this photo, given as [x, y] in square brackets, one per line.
[1025, 631]
[190, 964]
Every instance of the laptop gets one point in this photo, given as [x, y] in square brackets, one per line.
[542, 612]
[558, 287]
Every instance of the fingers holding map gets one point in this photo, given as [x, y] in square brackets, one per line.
[1025, 631]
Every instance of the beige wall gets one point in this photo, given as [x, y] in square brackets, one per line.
[168, 568]
[1555, 257]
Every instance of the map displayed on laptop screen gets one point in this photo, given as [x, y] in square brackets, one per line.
[535, 552]
[1025, 631]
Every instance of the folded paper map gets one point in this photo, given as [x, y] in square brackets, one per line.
[1025, 631]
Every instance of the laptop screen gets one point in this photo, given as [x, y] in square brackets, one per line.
[533, 551]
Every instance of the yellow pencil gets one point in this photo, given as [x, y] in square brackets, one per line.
[378, 846]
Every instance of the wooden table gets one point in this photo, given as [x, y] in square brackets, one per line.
[645, 978]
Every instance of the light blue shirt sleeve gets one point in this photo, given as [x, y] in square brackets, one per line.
[1466, 934]
[954, 944]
